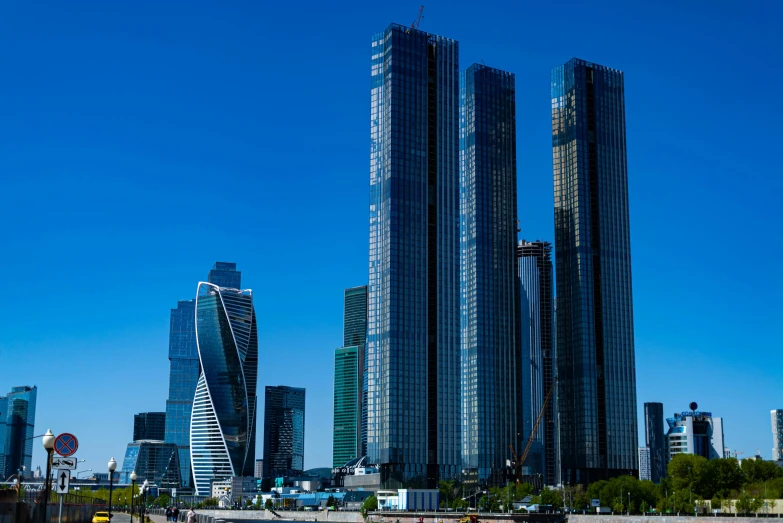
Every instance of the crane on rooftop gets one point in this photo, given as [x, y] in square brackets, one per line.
[415, 24]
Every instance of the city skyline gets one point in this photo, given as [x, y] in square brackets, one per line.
[161, 249]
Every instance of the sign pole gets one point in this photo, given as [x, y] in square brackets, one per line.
[60, 519]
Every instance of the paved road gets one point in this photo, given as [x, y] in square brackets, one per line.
[119, 517]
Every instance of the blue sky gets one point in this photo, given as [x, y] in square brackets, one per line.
[142, 141]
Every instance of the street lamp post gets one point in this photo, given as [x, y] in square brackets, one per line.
[144, 488]
[48, 443]
[20, 475]
[133, 491]
[112, 468]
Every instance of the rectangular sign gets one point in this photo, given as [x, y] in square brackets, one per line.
[61, 463]
[61, 481]
[595, 502]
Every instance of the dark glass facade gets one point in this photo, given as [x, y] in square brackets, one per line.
[355, 317]
[488, 228]
[154, 461]
[17, 427]
[536, 316]
[355, 335]
[284, 426]
[183, 377]
[149, 425]
[595, 340]
[347, 436]
[222, 432]
[413, 336]
[225, 274]
[655, 439]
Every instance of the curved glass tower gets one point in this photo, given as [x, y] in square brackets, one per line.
[222, 428]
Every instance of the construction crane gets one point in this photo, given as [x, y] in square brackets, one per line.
[518, 462]
[415, 24]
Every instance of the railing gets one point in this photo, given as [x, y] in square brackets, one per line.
[35, 497]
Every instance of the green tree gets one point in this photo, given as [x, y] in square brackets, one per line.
[369, 504]
[269, 504]
[552, 497]
[756, 470]
[617, 506]
[162, 501]
[747, 504]
[721, 477]
[330, 501]
[686, 471]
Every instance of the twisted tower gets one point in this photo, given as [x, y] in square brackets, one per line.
[222, 429]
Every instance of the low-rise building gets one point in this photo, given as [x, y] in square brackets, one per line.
[644, 464]
[695, 432]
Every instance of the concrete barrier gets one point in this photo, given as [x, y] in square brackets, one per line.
[285, 515]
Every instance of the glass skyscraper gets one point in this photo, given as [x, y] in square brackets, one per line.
[488, 229]
[413, 328]
[355, 317]
[595, 343]
[154, 461]
[17, 428]
[355, 335]
[655, 440]
[225, 274]
[222, 431]
[284, 426]
[183, 378]
[347, 436]
[185, 367]
[537, 358]
[149, 425]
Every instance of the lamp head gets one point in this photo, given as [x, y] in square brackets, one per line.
[48, 440]
[133, 476]
[112, 465]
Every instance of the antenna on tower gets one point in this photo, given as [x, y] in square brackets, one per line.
[415, 24]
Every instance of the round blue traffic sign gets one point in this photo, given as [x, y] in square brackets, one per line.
[66, 444]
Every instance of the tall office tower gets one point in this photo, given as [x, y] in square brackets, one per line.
[183, 378]
[17, 428]
[222, 430]
[655, 439]
[355, 317]
[149, 426]
[259, 472]
[777, 434]
[185, 368]
[413, 347]
[488, 229]
[224, 274]
[284, 426]
[355, 335]
[536, 316]
[644, 464]
[347, 435]
[595, 344]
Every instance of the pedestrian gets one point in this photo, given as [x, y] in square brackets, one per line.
[191, 516]
[176, 514]
[168, 513]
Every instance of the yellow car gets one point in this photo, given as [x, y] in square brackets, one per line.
[100, 517]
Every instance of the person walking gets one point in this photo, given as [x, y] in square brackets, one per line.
[191, 516]
[168, 513]
[175, 514]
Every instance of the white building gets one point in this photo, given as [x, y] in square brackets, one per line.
[777, 434]
[644, 464]
[697, 433]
